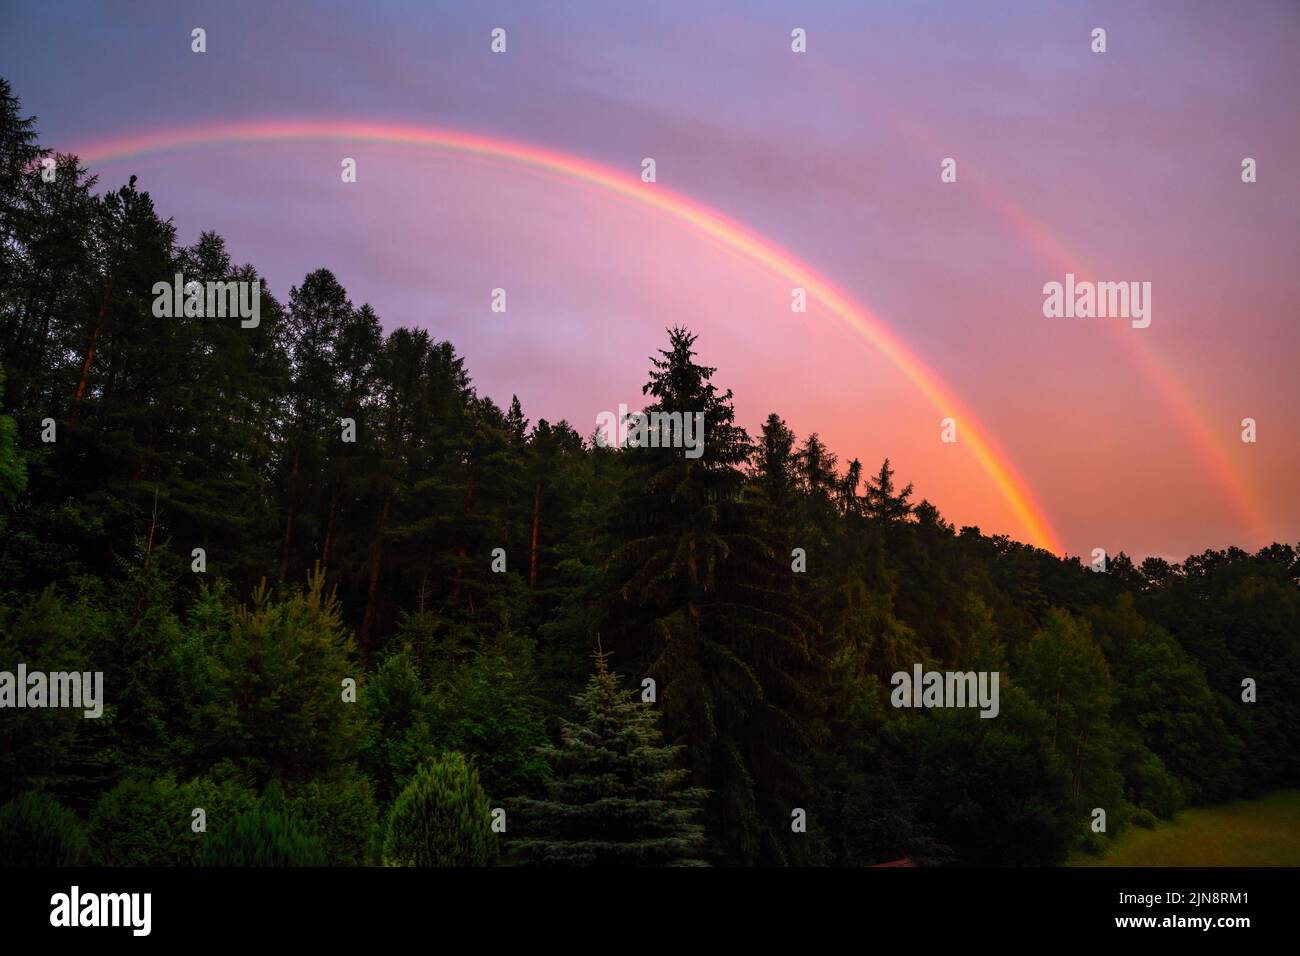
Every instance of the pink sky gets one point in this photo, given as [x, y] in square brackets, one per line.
[1120, 166]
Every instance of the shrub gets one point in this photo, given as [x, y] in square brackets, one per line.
[36, 831]
[396, 709]
[1092, 842]
[342, 815]
[137, 824]
[487, 708]
[442, 818]
[1156, 789]
[262, 837]
[1144, 818]
[277, 686]
[150, 822]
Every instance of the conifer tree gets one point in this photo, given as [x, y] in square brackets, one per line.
[713, 617]
[883, 502]
[617, 797]
[442, 818]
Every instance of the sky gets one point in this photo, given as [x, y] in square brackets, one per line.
[1123, 165]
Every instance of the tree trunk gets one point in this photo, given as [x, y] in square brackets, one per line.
[153, 524]
[537, 517]
[1056, 717]
[462, 551]
[376, 550]
[329, 526]
[288, 524]
[1078, 764]
[94, 342]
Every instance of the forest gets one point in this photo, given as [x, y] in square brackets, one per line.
[446, 635]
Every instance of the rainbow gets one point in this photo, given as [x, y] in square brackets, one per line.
[706, 220]
[1208, 443]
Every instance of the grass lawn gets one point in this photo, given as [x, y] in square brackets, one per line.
[1262, 832]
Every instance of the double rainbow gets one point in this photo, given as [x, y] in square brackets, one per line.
[729, 233]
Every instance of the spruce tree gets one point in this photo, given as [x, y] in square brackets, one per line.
[883, 503]
[617, 797]
[707, 607]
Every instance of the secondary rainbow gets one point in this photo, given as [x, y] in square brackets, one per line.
[731, 234]
[1208, 442]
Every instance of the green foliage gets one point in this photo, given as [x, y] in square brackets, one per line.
[262, 837]
[618, 797]
[1065, 673]
[1238, 616]
[1164, 697]
[279, 708]
[442, 818]
[701, 603]
[487, 708]
[992, 790]
[54, 747]
[343, 816]
[1149, 783]
[397, 711]
[36, 831]
[150, 822]
[13, 467]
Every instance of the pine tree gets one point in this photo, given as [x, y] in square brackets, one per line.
[617, 798]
